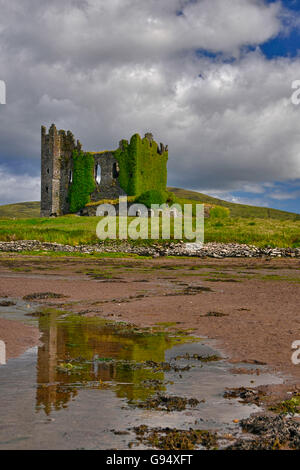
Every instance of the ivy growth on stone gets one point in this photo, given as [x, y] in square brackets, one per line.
[152, 197]
[83, 183]
[142, 167]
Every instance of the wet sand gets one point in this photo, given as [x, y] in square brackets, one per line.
[17, 337]
[250, 307]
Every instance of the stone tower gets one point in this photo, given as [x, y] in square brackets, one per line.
[56, 170]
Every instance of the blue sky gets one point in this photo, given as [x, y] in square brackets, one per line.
[284, 44]
[213, 82]
[283, 195]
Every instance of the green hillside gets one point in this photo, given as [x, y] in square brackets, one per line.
[21, 210]
[236, 210]
[32, 209]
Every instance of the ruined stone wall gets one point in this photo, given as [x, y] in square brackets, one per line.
[47, 159]
[135, 165]
[109, 187]
[50, 172]
[143, 165]
[56, 170]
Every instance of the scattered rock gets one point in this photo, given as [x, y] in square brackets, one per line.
[164, 403]
[175, 439]
[43, 296]
[273, 433]
[244, 370]
[215, 314]
[213, 250]
[121, 433]
[253, 361]
[247, 395]
[7, 303]
[199, 357]
[166, 367]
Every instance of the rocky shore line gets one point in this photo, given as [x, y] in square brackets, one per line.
[212, 250]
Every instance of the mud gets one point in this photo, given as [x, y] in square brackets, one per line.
[259, 318]
[251, 322]
[17, 337]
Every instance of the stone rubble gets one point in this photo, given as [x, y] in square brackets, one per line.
[212, 250]
[272, 432]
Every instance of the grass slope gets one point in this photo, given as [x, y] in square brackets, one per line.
[236, 210]
[21, 210]
[32, 209]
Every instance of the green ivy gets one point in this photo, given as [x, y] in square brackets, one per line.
[83, 183]
[152, 197]
[142, 168]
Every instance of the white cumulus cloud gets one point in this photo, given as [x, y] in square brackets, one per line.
[107, 69]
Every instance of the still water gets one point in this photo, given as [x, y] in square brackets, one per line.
[80, 388]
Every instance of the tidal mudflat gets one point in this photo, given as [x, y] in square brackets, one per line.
[147, 353]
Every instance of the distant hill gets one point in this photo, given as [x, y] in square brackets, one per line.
[32, 209]
[21, 210]
[236, 210]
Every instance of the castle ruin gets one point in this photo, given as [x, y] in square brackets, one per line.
[135, 167]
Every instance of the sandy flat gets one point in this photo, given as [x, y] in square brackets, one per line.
[259, 299]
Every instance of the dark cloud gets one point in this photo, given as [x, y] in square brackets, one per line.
[107, 69]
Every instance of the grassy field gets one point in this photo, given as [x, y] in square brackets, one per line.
[82, 230]
[245, 224]
[236, 210]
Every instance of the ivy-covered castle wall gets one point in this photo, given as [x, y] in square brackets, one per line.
[71, 177]
[143, 165]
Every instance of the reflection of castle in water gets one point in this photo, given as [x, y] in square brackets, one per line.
[87, 343]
